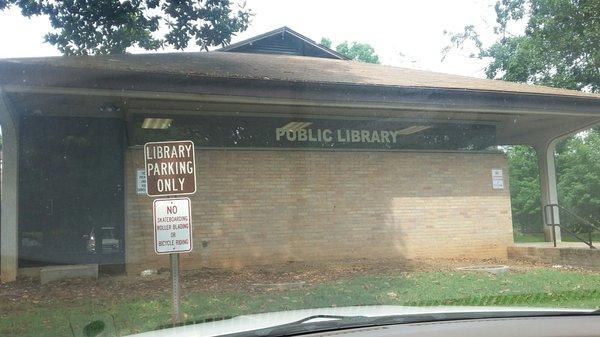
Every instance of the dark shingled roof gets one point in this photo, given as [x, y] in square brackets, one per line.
[283, 41]
[284, 68]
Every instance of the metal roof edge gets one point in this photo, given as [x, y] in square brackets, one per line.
[485, 103]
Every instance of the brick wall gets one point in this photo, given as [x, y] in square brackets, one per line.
[255, 207]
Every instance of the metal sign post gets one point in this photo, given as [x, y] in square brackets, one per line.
[173, 235]
[171, 171]
[175, 280]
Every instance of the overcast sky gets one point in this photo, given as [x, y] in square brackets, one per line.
[403, 33]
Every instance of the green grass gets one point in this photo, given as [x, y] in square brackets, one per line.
[539, 287]
[539, 237]
[528, 237]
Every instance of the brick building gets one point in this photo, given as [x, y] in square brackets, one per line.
[278, 206]
[301, 155]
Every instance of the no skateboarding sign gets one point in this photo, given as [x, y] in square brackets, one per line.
[172, 225]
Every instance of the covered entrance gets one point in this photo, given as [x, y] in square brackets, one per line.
[71, 191]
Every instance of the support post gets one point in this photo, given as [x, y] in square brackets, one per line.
[175, 281]
[548, 189]
[9, 204]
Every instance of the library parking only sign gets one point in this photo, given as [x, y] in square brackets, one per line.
[172, 225]
[170, 168]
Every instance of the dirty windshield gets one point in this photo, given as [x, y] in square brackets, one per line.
[220, 166]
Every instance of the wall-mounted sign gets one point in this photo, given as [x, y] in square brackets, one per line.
[322, 133]
[339, 135]
[140, 181]
[497, 179]
[170, 168]
[172, 225]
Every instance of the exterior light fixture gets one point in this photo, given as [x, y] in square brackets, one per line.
[156, 123]
[293, 126]
[412, 129]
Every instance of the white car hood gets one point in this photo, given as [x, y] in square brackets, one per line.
[259, 321]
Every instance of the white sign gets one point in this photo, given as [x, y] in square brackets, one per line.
[497, 179]
[498, 184]
[172, 225]
[141, 182]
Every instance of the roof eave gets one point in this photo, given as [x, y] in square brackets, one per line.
[57, 80]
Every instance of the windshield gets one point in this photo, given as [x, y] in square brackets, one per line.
[168, 163]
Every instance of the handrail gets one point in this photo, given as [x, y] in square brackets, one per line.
[587, 222]
[590, 244]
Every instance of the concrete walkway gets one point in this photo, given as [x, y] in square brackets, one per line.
[576, 254]
[558, 245]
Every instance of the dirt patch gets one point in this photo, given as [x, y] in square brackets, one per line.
[250, 279]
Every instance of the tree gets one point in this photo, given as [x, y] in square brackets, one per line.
[85, 27]
[524, 188]
[560, 46]
[578, 175]
[363, 52]
[578, 171]
[325, 42]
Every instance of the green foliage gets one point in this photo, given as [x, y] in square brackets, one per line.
[560, 46]
[524, 188]
[83, 27]
[578, 175]
[325, 42]
[363, 52]
[358, 51]
[578, 171]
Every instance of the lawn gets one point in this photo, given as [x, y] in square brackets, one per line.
[528, 237]
[539, 237]
[545, 287]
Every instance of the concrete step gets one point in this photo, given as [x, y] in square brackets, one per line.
[55, 273]
[569, 254]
